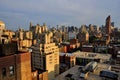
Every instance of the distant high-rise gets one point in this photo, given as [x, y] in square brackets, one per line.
[91, 28]
[30, 24]
[2, 27]
[83, 35]
[37, 30]
[108, 25]
[108, 28]
[83, 29]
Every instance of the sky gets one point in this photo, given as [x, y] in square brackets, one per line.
[19, 13]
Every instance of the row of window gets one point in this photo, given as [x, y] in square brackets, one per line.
[11, 71]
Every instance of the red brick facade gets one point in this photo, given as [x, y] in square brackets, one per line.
[15, 67]
[23, 66]
[5, 63]
[87, 49]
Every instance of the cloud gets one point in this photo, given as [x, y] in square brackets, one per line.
[61, 11]
[14, 20]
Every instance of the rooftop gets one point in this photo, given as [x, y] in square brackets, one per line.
[91, 55]
[87, 46]
[75, 71]
[67, 54]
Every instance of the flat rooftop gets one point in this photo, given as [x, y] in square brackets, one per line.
[75, 71]
[67, 54]
[87, 46]
[91, 55]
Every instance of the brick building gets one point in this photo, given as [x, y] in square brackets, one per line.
[67, 60]
[16, 66]
[39, 74]
[87, 48]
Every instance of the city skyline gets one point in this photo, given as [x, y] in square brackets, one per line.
[65, 53]
[63, 12]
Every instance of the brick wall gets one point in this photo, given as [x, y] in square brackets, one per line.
[23, 65]
[6, 62]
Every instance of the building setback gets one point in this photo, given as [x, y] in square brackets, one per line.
[45, 56]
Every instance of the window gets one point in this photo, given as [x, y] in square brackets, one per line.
[50, 56]
[3, 72]
[50, 62]
[11, 69]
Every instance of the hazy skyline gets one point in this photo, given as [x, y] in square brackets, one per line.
[20, 13]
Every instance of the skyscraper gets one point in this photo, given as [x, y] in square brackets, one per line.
[108, 28]
[108, 25]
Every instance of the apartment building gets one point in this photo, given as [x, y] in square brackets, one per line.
[45, 55]
[14, 65]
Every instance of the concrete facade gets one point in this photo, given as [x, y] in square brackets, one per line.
[45, 56]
